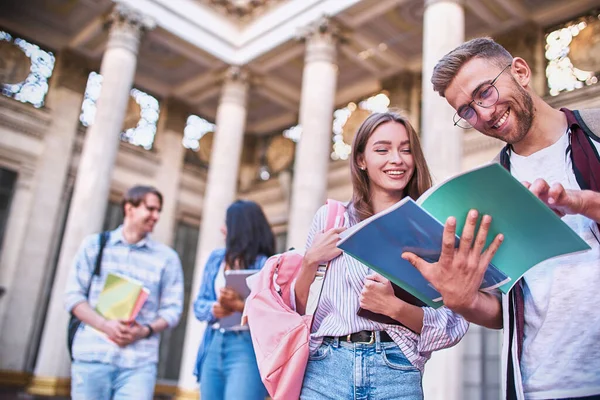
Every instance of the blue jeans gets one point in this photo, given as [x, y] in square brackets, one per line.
[99, 381]
[229, 371]
[342, 370]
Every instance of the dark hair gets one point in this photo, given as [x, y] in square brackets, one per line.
[137, 194]
[361, 194]
[248, 235]
[447, 68]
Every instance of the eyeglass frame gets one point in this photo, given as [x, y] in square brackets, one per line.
[492, 84]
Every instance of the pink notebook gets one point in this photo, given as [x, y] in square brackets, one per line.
[144, 293]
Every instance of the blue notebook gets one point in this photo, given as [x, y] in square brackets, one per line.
[533, 233]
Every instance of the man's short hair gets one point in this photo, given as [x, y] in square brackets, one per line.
[447, 68]
[137, 194]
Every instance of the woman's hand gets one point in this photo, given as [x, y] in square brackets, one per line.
[231, 300]
[377, 294]
[324, 247]
[219, 311]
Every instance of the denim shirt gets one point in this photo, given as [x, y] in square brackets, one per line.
[207, 297]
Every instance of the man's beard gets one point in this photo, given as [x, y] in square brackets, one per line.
[523, 115]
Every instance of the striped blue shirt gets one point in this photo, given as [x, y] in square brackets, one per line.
[154, 264]
[339, 303]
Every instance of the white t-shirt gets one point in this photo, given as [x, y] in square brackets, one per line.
[561, 350]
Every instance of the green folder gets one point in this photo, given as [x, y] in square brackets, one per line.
[118, 297]
[532, 231]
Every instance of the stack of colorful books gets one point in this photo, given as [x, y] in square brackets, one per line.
[121, 298]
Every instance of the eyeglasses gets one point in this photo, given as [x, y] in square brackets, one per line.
[486, 96]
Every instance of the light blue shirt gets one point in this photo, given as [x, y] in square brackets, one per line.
[154, 264]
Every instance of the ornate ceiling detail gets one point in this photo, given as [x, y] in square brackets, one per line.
[280, 154]
[15, 66]
[242, 10]
[584, 50]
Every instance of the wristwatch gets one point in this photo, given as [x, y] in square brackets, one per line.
[150, 331]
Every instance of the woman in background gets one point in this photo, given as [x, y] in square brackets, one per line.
[226, 365]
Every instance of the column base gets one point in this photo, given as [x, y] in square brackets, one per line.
[44, 386]
[165, 389]
[15, 378]
[186, 394]
[41, 386]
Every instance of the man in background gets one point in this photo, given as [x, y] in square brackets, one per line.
[123, 367]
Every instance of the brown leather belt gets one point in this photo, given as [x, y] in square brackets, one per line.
[366, 337]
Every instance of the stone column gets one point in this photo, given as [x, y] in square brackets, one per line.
[24, 296]
[20, 211]
[220, 192]
[415, 102]
[311, 166]
[403, 88]
[443, 30]
[169, 146]
[92, 184]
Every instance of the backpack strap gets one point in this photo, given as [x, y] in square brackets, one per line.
[589, 121]
[584, 155]
[503, 158]
[335, 214]
[103, 240]
[335, 218]
[75, 322]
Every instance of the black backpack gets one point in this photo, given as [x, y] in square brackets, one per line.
[74, 322]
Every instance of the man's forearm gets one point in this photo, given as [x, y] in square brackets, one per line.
[486, 311]
[590, 204]
[159, 325]
[88, 315]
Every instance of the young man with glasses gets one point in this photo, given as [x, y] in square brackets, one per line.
[551, 319]
[123, 367]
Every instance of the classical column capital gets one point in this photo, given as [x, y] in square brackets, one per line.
[235, 85]
[26, 176]
[72, 71]
[322, 37]
[236, 73]
[432, 2]
[127, 26]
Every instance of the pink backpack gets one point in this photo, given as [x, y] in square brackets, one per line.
[279, 334]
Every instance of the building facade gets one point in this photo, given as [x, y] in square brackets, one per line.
[211, 101]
